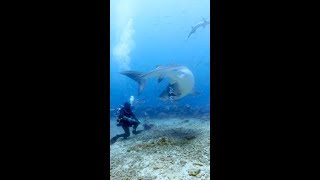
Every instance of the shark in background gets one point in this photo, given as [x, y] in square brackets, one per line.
[203, 23]
[181, 81]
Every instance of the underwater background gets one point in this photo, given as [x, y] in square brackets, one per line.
[148, 33]
[174, 138]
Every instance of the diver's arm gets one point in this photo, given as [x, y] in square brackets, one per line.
[134, 117]
[125, 118]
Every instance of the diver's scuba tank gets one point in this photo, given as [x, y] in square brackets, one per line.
[117, 115]
[118, 111]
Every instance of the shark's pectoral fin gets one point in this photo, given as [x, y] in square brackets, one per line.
[172, 82]
[161, 76]
[160, 79]
[141, 85]
[193, 92]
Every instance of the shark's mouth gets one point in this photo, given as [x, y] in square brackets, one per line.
[170, 94]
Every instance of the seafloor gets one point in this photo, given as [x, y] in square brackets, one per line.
[174, 148]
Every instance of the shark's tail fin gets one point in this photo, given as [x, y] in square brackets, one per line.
[137, 76]
[203, 19]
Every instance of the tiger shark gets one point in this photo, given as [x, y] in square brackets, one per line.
[181, 81]
[203, 23]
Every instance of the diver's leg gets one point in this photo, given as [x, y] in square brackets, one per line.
[114, 139]
[135, 125]
[126, 132]
[125, 135]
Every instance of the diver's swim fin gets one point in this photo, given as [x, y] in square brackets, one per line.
[114, 139]
[137, 77]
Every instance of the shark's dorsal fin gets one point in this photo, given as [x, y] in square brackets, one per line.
[160, 78]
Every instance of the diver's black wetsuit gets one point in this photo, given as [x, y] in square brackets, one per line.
[126, 119]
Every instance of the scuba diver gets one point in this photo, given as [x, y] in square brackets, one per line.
[171, 95]
[126, 119]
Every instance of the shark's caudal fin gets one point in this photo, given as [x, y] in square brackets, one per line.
[137, 77]
[204, 20]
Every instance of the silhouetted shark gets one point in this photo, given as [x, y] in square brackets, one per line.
[203, 23]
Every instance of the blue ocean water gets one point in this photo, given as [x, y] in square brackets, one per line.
[148, 33]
